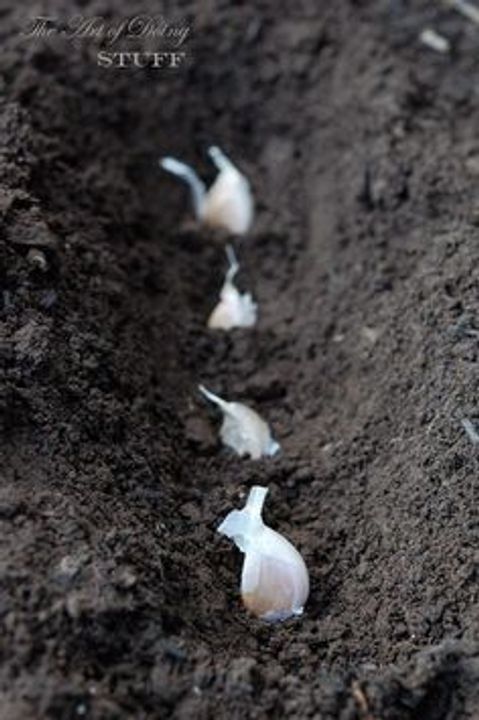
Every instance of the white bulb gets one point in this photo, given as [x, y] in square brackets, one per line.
[274, 580]
[234, 308]
[243, 430]
[228, 204]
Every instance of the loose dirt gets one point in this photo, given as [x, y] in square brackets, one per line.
[119, 601]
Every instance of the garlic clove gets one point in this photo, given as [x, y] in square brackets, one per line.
[234, 309]
[274, 588]
[243, 430]
[274, 579]
[228, 204]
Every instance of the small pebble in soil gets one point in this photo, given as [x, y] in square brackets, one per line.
[37, 259]
[431, 39]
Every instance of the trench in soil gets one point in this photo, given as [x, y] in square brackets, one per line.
[362, 261]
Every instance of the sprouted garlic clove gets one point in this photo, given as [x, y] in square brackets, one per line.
[229, 201]
[274, 579]
[234, 309]
[228, 204]
[243, 430]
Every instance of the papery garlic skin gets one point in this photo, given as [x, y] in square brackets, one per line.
[228, 204]
[243, 430]
[274, 579]
[234, 308]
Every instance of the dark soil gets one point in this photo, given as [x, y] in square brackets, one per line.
[119, 600]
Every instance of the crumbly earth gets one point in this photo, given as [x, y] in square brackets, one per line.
[118, 598]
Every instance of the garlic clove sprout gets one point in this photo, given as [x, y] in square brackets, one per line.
[274, 579]
[228, 204]
[243, 430]
[189, 176]
[234, 309]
